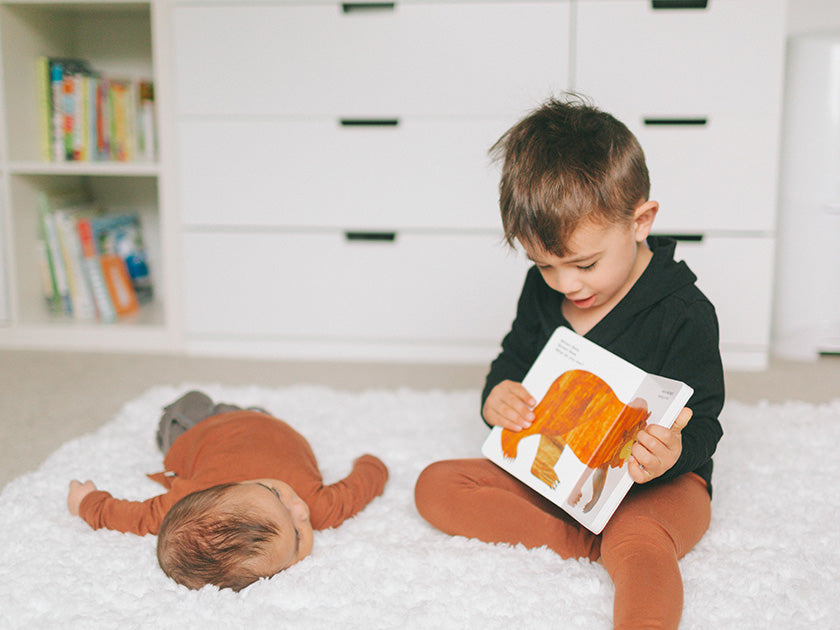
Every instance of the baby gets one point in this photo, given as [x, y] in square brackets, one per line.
[244, 495]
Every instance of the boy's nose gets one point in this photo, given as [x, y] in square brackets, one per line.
[567, 283]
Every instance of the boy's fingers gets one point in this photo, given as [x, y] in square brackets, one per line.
[637, 473]
[518, 391]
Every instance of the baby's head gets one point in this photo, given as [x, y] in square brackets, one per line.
[233, 534]
[565, 164]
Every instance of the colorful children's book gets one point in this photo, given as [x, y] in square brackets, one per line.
[92, 266]
[55, 257]
[122, 235]
[85, 116]
[146, 140]
[81, 293]
[591, 406]
[118, 283]
[123, 104]
[45, 109]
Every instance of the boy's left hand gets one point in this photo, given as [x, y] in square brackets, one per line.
[657, 449]
[78, 491]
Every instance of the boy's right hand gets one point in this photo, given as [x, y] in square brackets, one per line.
[78, 491]
[509, 406]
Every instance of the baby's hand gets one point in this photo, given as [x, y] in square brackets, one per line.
[657, 449]
[509, 406]
[78, 491]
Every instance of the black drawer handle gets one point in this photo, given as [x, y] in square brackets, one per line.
[683, 238]
[676, 122]
[680, 4]
[369, 122]
[371, 237]
[359, 7]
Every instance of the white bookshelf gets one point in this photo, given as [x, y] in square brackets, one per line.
[117, 39]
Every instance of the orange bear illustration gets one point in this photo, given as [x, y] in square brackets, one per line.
[581, 411]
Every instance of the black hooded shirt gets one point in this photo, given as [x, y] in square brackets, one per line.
[664, 325]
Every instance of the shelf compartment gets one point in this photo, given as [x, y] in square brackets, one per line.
[112, 193]
[114, 37]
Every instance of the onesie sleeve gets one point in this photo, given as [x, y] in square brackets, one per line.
[99, 509]
[332, 504]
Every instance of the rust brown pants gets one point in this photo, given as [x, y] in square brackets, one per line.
[653, 527]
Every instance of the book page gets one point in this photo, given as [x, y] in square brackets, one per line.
[566, 350]
[665, 398]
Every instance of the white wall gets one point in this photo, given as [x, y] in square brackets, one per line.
[807, 16]
[806, 227]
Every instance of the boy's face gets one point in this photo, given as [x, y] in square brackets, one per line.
[602, 264]
[277, 501]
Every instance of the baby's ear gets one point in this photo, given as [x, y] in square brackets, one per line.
[643, 217]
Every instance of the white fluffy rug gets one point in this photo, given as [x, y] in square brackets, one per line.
[771, 558]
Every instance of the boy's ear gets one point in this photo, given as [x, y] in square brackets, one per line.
[643, 217]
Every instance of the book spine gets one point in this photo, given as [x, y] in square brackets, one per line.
[91, 138]
[69, 113]
[57, 92]
[114, 120]
[55, 257]
[146, 127]
[119, 121]
[80, 131]
[93, 272]
[48, 279]
[80, 293]
[50, 290]
[103, 121]
[42, 72]
[131, 123]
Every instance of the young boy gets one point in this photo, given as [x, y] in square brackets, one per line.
[574, 193]
[244, 494]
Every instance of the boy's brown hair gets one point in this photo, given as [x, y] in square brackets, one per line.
[567, 161]
[202, 540]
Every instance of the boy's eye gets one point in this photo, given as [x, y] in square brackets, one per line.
[587, 267]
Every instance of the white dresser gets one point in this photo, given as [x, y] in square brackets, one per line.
[336, 198]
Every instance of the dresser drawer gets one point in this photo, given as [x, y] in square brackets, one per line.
[719, 176]
[418, 288]
[682, 62]
[442, 59]
[418, 174]
[736, 274]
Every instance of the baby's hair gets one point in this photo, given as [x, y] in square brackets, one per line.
[566, 162]
[205, 540]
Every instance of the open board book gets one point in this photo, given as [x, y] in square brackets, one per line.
[591, 406]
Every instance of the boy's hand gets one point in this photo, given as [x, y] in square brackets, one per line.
[78, 491]
[657, 449]
[509, 406]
